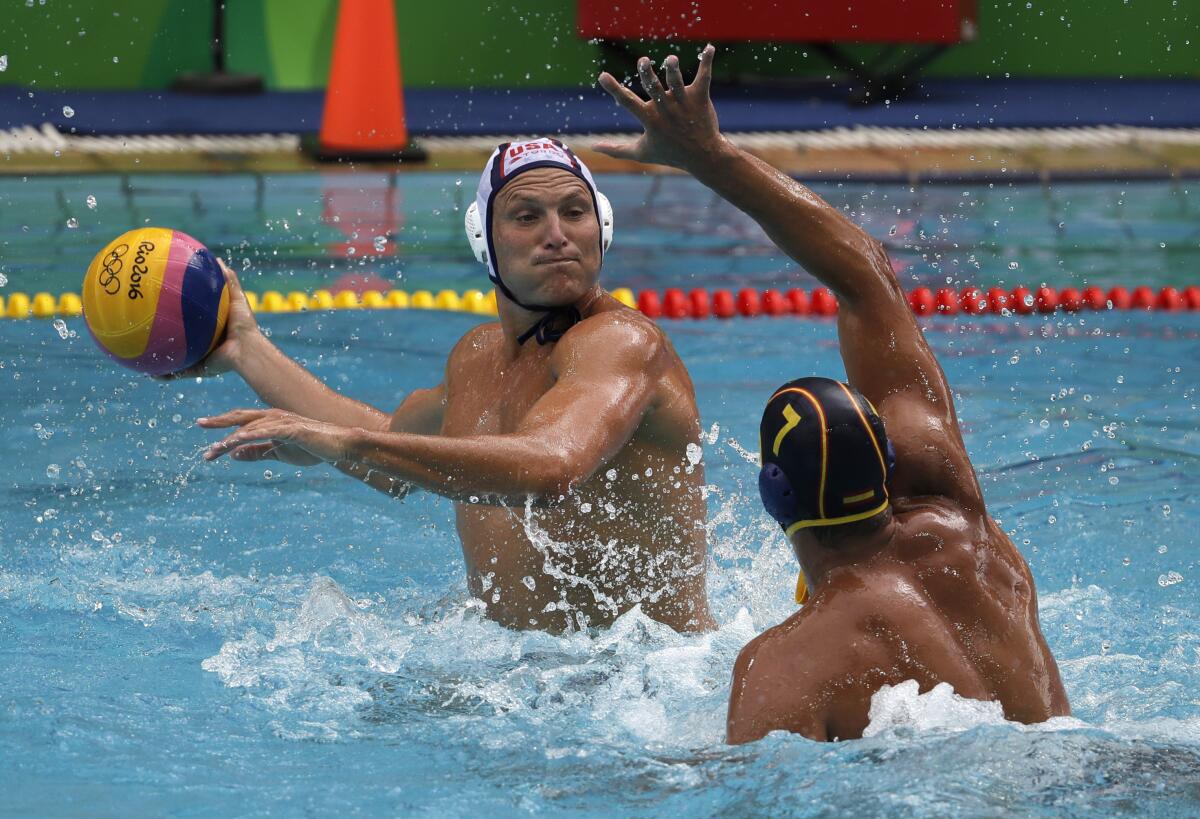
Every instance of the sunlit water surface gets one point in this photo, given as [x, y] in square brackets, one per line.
[191, 638]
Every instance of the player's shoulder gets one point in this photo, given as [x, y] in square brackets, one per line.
[480, 339]
[782, 646]
[619, 332]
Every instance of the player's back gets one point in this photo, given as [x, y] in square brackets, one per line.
[948, 599]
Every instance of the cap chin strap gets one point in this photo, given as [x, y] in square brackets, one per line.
[558, 320]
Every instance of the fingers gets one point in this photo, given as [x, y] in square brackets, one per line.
[266, 451]
[674, 75]
[235, 286]
[650, 81]
[703, 79]
[233, 418]
[623, 96]
[245, 435]
[617, 150]
[194, 371]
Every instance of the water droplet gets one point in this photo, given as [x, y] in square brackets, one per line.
[380, 244]
[694, 454]
[68, 111]
[1044, 424]
[116, 59]
[60, 327]
[1013, 265]
[1166, 510]
[1125, 561]
[91, 202]
[53, 471]
[585, 508]
[892, 230]
[268, 474]
[529, 582]
[611, 474]
[3, 62]
[1162, 548]
[72, 223]
[1169, 579]
[3, 280]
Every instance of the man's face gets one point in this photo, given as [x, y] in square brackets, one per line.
[546, 237]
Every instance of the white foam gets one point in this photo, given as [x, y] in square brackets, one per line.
[903, 709]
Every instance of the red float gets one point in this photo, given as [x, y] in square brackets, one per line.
[649, 304]
[675, 304]
[946, 301]
[1170, 299]
[747, 302]
[722, 304]
[773, 303]
[921, 301]
[973, 301]
[798, 301]
[698, 303]
[1045, 299]
[1142, 298]
[1070, 300]
[1094, 298]
[1021, 301]
[823, 303]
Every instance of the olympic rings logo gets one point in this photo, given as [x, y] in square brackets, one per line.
[113, 263]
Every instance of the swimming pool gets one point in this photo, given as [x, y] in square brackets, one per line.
[182, 637]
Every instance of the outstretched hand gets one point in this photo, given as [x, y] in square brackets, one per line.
[680, 121]
[277, 436]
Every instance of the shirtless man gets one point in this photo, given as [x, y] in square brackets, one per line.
[562, 430]
[911, 579]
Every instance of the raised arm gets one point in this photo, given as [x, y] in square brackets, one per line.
[593, 409]
[885, 353]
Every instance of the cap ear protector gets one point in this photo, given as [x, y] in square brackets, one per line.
[479, 245]
[778, 496]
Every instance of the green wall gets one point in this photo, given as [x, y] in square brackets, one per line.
[72, 43]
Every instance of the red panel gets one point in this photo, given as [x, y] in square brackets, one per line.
[867, 21]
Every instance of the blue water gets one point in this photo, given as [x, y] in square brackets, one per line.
[186, 638]
[304, 231]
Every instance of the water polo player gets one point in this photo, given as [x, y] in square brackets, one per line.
[572, 408]
[908, 576]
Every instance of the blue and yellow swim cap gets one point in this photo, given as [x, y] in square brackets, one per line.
[825, 454]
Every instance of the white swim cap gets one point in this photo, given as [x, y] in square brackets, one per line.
[509, 160]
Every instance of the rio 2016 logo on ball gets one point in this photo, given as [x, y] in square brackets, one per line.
[155, 300]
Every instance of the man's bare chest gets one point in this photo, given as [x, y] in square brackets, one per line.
[493, 398]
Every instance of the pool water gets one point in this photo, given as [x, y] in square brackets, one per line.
[181, 637]
[304, 231]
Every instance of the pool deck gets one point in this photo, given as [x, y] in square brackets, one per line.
[890, 157]
[949, 130]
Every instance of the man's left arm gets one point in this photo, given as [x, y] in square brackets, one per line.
[606, 383]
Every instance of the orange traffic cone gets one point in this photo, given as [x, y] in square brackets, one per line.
[364, 100]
